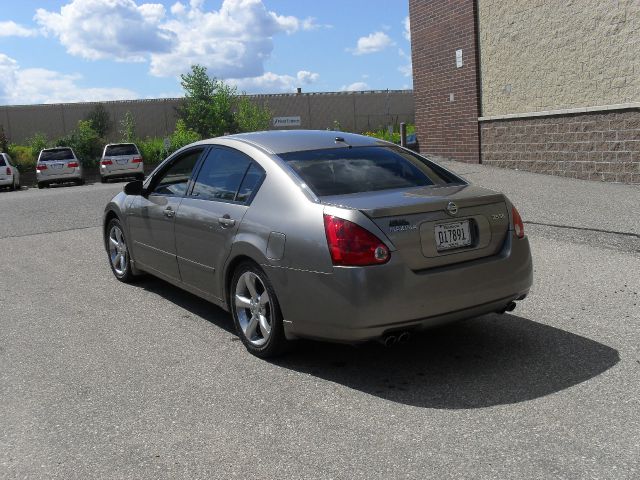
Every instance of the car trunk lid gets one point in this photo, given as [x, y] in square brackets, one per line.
[435, 226]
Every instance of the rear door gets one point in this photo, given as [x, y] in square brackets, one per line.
[59, 162]
[122, 156]
[152, 217]
[208, 218]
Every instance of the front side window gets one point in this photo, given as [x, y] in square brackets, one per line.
[341, 171]
[175, 179]
[226, 175]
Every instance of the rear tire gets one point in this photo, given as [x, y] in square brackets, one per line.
[256, 312]
[42, 185]
[140, 176]
[118, 252]
[80, 182]
[103, 180]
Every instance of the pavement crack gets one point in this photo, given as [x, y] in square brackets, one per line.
[48, 231]
[587, 229]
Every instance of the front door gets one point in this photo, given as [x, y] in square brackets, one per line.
[152, 219]
[209, 216]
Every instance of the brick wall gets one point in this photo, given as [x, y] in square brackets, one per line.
[438, 28]
[592, 146]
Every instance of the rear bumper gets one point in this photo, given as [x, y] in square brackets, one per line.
[59, 177]
[6, 182]
[105, 172]
[358, 304]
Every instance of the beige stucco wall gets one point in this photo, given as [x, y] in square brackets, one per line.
[538, 55]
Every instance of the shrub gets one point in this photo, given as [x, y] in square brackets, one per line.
[251, 117]
[394, 137]
[152, 150]
[37, 142]
[23, 157]
[85, 143]
[99, 120]
[4, 141]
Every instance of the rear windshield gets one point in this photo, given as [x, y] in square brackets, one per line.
[340, 171]
[2, 164]
[124, 149]
[56, 154]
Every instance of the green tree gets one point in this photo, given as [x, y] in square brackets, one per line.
[100, 120]
[251, 117]
[182, 136]
[128, 128]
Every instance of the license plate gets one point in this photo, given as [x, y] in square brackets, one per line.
[58, 165]
[123, 161]
[452, 235]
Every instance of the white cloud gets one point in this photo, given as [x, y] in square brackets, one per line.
[12, 29]
[114, 29]
[270, 82]
[232, 42]
[406, 69]
[38, 85]
[372, 43]
[307, 77]
[355, 87]
[407, 30]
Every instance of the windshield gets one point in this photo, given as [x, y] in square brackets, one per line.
[124, 149]
[340, 171]
[56, 154]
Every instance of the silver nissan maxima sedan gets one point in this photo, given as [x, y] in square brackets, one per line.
[320, 234]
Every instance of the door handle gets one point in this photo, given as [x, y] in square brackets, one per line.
[226, 221]
[168, 212]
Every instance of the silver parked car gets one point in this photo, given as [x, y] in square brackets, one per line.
[58, 165]
[9, 174]
[320, 234]
[121, 160]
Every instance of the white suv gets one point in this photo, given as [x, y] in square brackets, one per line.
[58, 164]
[9, 174]
[121, 160]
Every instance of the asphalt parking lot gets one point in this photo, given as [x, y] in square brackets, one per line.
[104, 380]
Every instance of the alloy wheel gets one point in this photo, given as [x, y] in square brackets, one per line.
[253, 308]
[118, 251]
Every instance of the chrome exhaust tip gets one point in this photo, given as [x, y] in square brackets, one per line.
[389, 340]
[404, 337]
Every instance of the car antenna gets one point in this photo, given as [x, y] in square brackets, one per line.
[341, 140]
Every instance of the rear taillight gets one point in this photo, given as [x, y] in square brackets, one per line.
[72, 164]
[9, 172]
[352, 245]
[518, 225]
[106, 162]
[41, 166]
[136, 160]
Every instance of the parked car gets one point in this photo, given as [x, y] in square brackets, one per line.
[58, 165]
[9, 174]
[121, 160]
[320, 234]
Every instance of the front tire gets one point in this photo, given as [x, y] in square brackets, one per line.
[118, 252]
[256, 312]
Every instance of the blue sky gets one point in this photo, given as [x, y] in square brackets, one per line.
[86, 50]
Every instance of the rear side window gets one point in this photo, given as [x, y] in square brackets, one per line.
[123, 149]
[226, 175]
[56, 154]
[340, 171]
[2, 163]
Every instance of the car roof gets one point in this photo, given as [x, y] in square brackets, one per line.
[283, 141]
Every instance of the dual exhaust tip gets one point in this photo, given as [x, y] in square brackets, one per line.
[509, 307]
[395, 339]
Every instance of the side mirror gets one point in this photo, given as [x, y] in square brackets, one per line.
[134, 188]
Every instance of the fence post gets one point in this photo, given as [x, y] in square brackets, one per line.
[403, 134]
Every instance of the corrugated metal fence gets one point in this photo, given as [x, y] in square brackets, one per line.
[354, 111]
